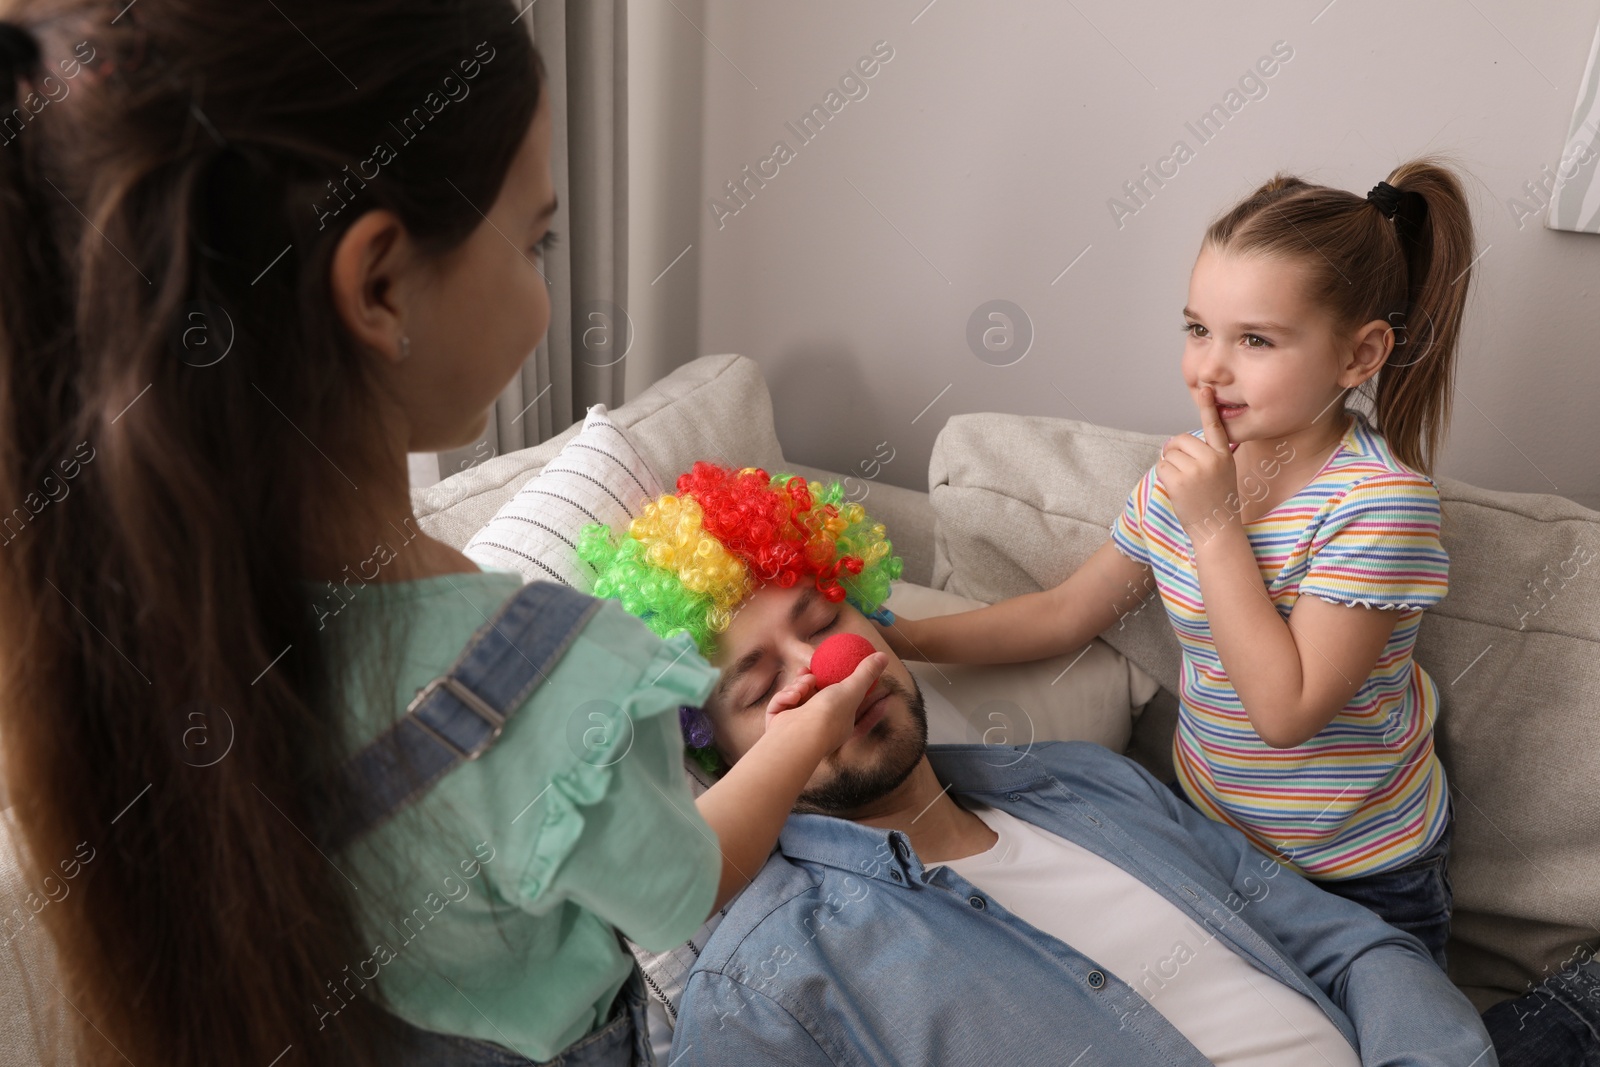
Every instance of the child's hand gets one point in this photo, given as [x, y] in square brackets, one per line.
[790, 696]
[826, 718]
[1200, 476]
[748, 805]
[900, 636]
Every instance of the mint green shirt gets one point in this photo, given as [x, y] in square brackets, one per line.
[490, 903]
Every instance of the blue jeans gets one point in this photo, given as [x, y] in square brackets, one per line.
[624, 1041]
[1555, 1025]
[1416, 898]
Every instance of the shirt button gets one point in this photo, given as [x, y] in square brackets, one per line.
[1013, 796]
[1096, 979]
[895, 875]
[976, 901]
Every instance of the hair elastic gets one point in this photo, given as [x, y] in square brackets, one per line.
[1386, 198]
[1407, 209]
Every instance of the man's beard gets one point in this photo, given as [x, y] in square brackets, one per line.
[853, 788]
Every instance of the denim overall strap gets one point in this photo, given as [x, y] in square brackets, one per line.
[459, 715]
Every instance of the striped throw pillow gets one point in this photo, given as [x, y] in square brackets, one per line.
[599, 476]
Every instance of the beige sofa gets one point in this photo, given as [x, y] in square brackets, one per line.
[1015, 503]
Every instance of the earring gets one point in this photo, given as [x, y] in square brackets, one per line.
[405, 347]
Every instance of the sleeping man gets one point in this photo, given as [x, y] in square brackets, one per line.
[976, 904]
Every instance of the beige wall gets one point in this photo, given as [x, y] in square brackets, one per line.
[979, 165]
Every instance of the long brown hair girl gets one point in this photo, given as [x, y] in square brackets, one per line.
[174, 183]
[252, 256]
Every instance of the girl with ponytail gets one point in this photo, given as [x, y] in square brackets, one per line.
[328, 793]
[1294, 541]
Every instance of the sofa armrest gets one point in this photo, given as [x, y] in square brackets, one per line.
[906, 513]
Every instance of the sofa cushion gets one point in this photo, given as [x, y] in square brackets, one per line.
[715, 408]
[1093, 694]
[598, 476]
[1022, 501]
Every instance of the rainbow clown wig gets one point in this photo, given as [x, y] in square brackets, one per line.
[688, 561]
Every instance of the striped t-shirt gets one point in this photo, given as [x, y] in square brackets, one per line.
[1367, 793]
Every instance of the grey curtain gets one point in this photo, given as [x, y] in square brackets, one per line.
[580, 362]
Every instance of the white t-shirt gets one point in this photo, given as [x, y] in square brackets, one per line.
[1233, 1013]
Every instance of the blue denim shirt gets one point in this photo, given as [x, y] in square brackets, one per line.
[847, 950]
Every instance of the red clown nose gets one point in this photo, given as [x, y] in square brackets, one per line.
[837, 657]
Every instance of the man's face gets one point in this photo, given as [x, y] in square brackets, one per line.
[767, 645]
